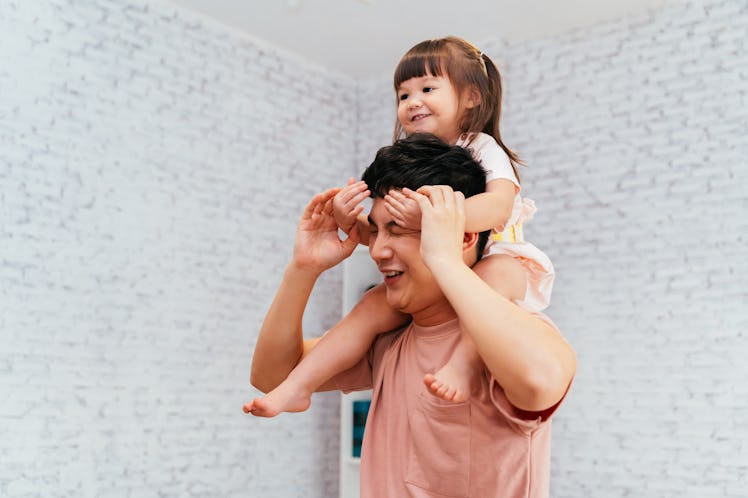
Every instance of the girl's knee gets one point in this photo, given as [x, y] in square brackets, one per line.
[505, 274]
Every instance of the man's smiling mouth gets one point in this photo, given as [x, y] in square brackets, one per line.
[391, 275]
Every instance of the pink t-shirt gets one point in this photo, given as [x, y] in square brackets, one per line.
[417, 445]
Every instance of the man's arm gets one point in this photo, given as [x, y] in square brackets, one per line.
[280, 345]
[317, 247]
[526, 355]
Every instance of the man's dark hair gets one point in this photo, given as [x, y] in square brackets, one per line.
[423, 159]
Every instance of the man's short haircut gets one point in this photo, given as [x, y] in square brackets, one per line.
[423, 159]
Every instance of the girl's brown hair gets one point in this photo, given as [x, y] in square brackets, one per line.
[467, 68]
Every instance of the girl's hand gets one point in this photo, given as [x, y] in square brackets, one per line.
[346, 205]
[403, 208]
[443, 227]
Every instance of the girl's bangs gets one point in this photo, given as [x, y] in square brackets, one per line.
[418, 65]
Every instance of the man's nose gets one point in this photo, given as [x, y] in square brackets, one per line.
[379, 249]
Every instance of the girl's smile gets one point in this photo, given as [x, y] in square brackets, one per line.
[429, 104]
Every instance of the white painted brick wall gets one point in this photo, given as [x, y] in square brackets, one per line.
[153, 166]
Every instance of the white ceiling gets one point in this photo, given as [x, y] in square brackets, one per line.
[364, 38]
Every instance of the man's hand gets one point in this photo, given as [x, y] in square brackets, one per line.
[347, 204]
[403, 209]
[317, 245]
[442, 224]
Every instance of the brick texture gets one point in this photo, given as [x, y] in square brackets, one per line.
[152, 169]
[153, 165]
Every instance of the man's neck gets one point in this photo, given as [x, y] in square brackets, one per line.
[436, 314]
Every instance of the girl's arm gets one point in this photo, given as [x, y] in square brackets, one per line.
[492, 208]
[485, 211]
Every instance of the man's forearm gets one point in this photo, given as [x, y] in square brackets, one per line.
[525, 354]
[280, 344]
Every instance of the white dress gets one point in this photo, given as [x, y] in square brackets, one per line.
[540, 272]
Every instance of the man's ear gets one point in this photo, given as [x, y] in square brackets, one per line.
[473, 97]
[469, 242]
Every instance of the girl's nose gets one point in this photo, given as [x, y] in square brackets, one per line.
[414, 103]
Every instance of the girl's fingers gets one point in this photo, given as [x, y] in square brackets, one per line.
[399, 199]
[396, 216]
[354, 191]
[393, 202]
[396, 194]
[359, 185]
[361, 196]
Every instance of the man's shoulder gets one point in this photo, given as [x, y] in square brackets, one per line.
[385, 341]
[387, 338]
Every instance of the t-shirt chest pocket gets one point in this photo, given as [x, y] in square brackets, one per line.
[438, 452]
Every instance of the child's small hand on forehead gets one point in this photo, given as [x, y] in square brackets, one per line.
[404, 210]
[347, 204]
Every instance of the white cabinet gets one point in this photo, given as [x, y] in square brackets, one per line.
[359, 273]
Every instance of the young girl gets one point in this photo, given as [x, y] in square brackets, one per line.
[448, 88]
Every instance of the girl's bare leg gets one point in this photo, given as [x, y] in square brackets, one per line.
[456, 379]
[339, 349]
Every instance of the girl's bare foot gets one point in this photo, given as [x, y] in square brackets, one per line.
[449, 383]
[284, 398]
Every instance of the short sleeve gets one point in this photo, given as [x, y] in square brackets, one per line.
[492, 157]
[361, 375]
[523, 420]
[356, 378]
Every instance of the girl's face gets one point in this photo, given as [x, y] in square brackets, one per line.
[430, 104]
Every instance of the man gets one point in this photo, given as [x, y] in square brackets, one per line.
[496, 444]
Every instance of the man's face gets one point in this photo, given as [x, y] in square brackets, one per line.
[411, 287]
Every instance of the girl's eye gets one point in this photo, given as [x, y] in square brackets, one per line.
[403, 96]
[427, 89]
